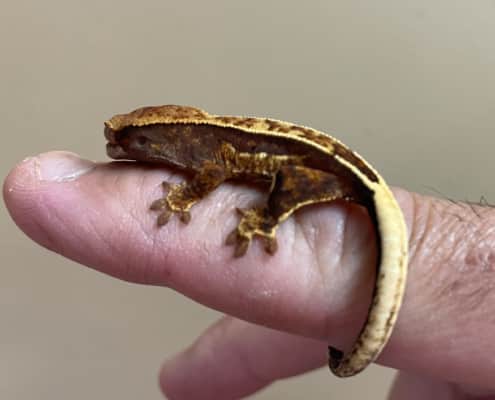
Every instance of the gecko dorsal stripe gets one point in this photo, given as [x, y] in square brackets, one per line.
[172, 114]
[304, 166]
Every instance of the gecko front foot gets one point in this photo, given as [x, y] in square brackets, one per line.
[254, 222]
[175, 202]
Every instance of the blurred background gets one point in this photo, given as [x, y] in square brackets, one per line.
[410, 85]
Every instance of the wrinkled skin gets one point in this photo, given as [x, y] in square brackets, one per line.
[448, 298]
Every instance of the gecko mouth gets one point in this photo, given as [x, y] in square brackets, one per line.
[116, 151]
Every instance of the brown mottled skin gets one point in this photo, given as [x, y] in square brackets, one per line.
[300, 165]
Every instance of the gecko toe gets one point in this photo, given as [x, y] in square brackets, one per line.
[241, 211]
[240, 242]
[241, 247]
[158, 205]
[164, 217]
[185, 217]
[166, 186]
[271, 245]
[231, 238]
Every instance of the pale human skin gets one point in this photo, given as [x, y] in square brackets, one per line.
[316, 287]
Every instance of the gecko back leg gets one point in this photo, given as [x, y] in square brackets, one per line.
[293, 187]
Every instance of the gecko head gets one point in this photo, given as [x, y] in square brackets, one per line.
[130, 144]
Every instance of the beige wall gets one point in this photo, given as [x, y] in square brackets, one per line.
[410, 85]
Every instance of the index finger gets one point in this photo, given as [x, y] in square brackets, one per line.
[317, 284]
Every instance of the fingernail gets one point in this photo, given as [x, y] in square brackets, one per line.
[61, 166]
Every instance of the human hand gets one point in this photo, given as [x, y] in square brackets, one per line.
[315, 289]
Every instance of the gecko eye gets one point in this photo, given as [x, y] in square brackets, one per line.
[141, 140]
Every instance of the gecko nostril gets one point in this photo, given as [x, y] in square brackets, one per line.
[109, 134]
[142, 140]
